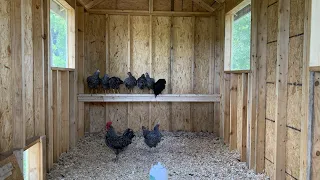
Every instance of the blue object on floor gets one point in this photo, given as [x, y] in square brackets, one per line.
[158, 172]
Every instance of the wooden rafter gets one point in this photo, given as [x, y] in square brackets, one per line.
[204, 5]
[147, 13]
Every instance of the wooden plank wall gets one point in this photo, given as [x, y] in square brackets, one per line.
[189, 67]
[293, 111]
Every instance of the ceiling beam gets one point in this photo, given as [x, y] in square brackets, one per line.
[93, 3]
[204, 5]
[82, 4]
[220, 1]
[147, 13]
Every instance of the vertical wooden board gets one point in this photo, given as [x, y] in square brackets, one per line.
[133, 4]
[73, 118]
[182, 70]
[187, 5]
[34, 162]
[86, 117]
[271, 101]
[271, 62]
[316, 129]
[294, 109]
[38, 73]
[233, 111]
[64, 111]
[269, 169]
[239, 112]
[178, 4]
[97, 117]
[202, 111]
[281, 87]
[293, 152]
[226, 108]
[80, 70]
[295, 60]
[55, 116]
[244, 115]
[118, 66]
[272, 22]
[270, 140]
[162, 5]
[161, 66]
[297, 17]
[110, 4]
[95, 48]
[28, 67]
[140, 58]
[5, 78]
[219, 35]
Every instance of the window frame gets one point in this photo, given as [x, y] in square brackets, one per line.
[314, 38]
[228, 38]
[71, 43]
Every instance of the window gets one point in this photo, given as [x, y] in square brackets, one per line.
[238, 38]
[315, 36]
[62, 38]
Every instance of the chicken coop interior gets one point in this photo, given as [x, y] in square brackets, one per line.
[241, 98]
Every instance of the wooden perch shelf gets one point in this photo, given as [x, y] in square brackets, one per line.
[148, 98]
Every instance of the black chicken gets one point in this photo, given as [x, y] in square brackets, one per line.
[150, 82]
[114, 83]
[152, 138]
[94, 81]
[142, 82]
[105, 83]
[115, 142]
[130, 82]
[159, 86]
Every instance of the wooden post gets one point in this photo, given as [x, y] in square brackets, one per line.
[281, 88]
[262, 6]
[233, 111]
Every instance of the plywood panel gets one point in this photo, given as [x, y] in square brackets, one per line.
[270, 140]
[5, 78]
[182, 70]
[139, 112]
[316, 136]
[110, 4]
[118, 55]
[233, 111]
[271, 62]
[239, 113]
[161, 67]
[95, 48]
[162, 5]
[55, 115]
[271, 101]
[201, 112]
[272, 22]
[226, 102]
[294, 111]
[95, 59]
[293, 152]
[295, 60]
[133, 4]
[28, 67]
[297, 17]
[269, 169]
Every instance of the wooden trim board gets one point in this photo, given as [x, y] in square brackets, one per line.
[148, 98]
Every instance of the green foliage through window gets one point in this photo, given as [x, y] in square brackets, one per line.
[241, 35]
[58, 36]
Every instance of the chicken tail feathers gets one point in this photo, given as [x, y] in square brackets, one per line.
[129, 134]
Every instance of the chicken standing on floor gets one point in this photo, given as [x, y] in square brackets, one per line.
[142, 82]
[115, 83]
[150, 82]
[105, 83]
[130, 82]
[115, 142]
[159, 86]
[152, 138]
[94, 81]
